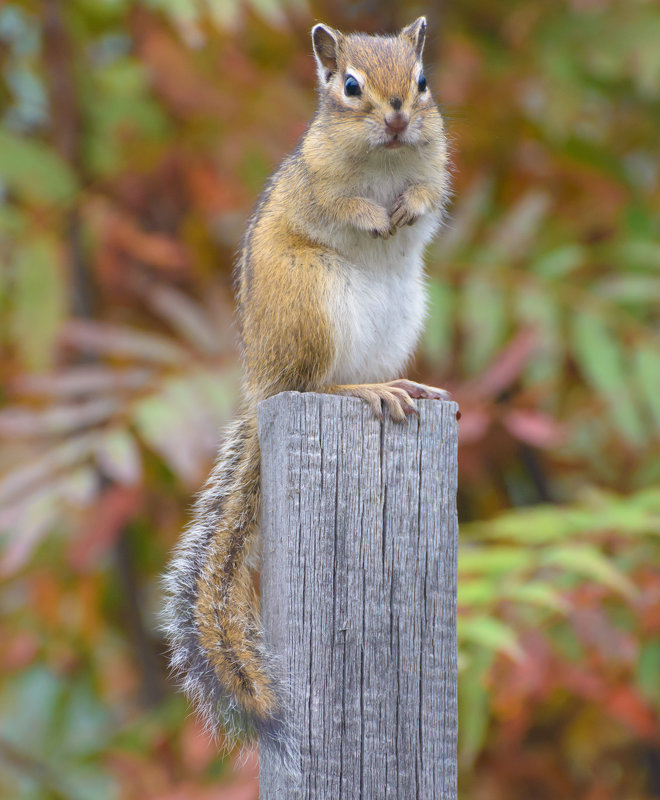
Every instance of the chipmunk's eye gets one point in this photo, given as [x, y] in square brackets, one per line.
[421, 84]
[352, 87]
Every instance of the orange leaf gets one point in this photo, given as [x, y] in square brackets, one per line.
[625, 704]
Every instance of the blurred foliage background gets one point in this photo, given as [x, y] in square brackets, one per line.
[135, 136]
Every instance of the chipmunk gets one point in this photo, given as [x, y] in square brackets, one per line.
[331, 299]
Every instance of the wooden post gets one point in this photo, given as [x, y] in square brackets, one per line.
[358, 595]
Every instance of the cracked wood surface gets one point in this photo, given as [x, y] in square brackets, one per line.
[358, 593]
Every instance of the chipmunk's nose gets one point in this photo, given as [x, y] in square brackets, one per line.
[397, 122]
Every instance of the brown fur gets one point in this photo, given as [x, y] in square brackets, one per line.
[284, 278]
[225, 608]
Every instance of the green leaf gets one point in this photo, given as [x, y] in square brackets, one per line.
[479, 592]
[182, 422]
[648, 672]
[437, 341]
[270, 10]
[627, 516]
[589, 153]
[634, 289]
[588, 562]
[489, 633]
[641, 223]
[536, 594]
[35, 171]
[63, 725]
[125, 123]
[648, 499]
[494, 559]
[254, 168]
[543, 525]
[119, 456]
[484, 592]
[640, 254]
[224, 12]
[646, 364]
[164, 427]
[473, 705]
[561, 262]
[39, 302]
[483, 322]
[12, 221]
[528, 526]
[600, 359]
[537, 308]
[105, 11]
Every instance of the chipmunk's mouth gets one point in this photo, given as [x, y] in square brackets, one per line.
[393, 143]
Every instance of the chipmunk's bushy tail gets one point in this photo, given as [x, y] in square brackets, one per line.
[211, 614]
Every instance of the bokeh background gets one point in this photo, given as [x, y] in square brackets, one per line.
[135, 136]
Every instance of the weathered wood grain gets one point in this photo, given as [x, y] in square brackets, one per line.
[358, 594]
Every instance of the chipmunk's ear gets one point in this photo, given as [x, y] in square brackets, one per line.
[326, 44]
[415, 33]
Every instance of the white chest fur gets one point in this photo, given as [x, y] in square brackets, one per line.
[380, 308]
[377, 303]
[377, 311]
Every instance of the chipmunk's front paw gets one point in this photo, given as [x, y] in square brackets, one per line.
[382, 227]
[403, 213]
[382, 234]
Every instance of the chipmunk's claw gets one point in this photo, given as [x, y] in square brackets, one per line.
[401, 214]
[420, 390]
[395, 399]
[383, 234]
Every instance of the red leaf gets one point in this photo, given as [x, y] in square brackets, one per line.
[507, 367]
[81, 380]
[533, 427]
[197, 747]
[625, 704]
[214, 194]
[117, 505]
[121, 342]
[119, 232]
[20, 651]
[474, 424]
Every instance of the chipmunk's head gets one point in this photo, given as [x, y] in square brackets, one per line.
[376, 84]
